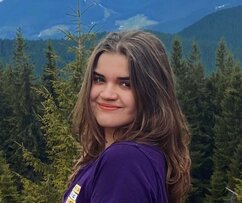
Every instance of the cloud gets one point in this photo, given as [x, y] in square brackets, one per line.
[1, 1]
[53, 31]
[136, 22]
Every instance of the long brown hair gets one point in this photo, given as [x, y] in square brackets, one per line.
[159, 120]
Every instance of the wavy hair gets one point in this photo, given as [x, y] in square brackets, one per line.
[159, 120]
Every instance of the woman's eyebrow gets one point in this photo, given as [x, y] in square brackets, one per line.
[98, 74]
[123, 78]
[119, 78]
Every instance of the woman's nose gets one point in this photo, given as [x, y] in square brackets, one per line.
[109, 92]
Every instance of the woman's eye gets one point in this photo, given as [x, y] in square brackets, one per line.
[125, 84]
[98, 79]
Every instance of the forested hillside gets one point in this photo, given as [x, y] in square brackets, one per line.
[36, 51]
[226, 24]
[38, 148]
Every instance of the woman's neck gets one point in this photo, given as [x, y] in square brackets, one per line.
[109, 136]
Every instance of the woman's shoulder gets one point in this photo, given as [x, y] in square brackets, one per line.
[126, 147]
[127, 172]
[130, 152]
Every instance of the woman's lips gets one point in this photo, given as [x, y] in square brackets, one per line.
[108, 107]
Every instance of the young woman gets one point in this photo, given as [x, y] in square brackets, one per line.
[134, 135]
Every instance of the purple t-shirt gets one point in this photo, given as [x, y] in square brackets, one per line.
[126, 172]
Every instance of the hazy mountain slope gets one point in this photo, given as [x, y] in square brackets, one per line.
[226, 24]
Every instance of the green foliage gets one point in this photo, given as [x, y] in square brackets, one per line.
[59, 95]
[37, 49]
[50, 72]
[218, 186]
[62, 148]
[233, 114]
[5, 110]
[236, 171]
[227, 129]
[61, 151]
[199, 115]
[20, 122]
[177, 60]
[179, 67]
[195, 103]
[8, 187]
[238, 188]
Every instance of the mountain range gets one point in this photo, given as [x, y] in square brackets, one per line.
[44, 19]
[206, 32]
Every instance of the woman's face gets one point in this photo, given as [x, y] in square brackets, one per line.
[112, 100]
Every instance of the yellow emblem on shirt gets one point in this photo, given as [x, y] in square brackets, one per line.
[77, 189]
[69, 200]
[74, 194]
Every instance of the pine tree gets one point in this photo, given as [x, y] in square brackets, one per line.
[7, 109]
[62, 147]
[50, 71]
[179, 67]
[61, 151]
[195, 104]
[233, 114]
[236, 171]
[4, 109]
[8, 187]
[76, 68]
[224, 66]
[238, 189]
[23, 100]
[227, 125]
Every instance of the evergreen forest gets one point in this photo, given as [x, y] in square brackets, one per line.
[38, 150]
